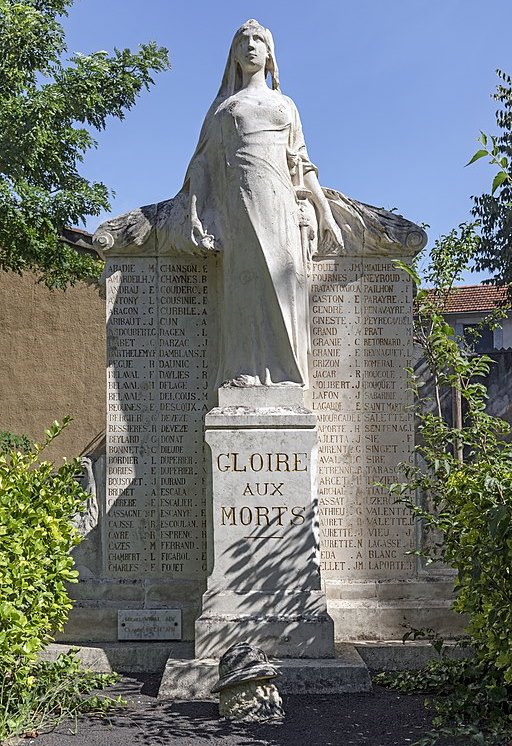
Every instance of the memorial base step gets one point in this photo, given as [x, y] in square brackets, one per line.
[347, 672]
[286, 637]
[390, 620]
[394, 655]
[154, 657]
[122, 657]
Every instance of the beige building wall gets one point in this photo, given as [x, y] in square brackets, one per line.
[52, 361]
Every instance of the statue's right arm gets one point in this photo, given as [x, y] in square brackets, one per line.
[197, 189]
[174, 226]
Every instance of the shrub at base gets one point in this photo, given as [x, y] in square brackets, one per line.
[465, 472]
[37, 506]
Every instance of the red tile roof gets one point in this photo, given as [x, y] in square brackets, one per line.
[474, 298]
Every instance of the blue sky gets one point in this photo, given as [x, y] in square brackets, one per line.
[392, 93]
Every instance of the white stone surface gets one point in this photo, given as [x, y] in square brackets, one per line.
[260, 396]
[159, 312]
[126, 656]
[185, 679]
[264, 509]
[246, 224]
[264, 585]
[343, 306]
[251, 701]
[250, 183]
[361, 312]
[249, 168]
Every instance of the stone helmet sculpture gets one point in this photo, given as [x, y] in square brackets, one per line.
[245, 687]
[243, 662]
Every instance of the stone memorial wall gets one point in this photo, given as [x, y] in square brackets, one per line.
[167, 307]
[162, 332]
[158, 352]
[160, 339]
[361, 317]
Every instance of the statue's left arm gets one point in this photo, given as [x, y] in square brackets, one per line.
[329, 233]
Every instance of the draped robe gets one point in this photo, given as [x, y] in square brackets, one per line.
[240, 178]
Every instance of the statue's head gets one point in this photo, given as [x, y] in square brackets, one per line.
[232, 79]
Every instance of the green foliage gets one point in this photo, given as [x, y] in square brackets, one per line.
[465, 474]
[495, 210]
[12, 442]
[60, 690]
[493, 152]
[441, 676]
[447, 357]
[37, 507]
[48, 107]
[470, 701]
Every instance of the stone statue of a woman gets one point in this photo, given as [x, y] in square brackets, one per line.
[244, 201]
[252, 194]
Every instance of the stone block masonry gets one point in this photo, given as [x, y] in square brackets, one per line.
[157, 391]
[361, 345]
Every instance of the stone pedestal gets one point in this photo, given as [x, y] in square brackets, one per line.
[181, 317]
[264, 585]
[193, 680]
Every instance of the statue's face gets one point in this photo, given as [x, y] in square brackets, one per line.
[251, 50]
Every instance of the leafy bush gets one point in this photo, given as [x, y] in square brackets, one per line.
[12, 442]
[50, 106]
[61, 690]
[37, 506]
[464, 470]
[470, 701]
[495, 209]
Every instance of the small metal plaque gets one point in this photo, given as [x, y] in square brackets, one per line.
[149, 624]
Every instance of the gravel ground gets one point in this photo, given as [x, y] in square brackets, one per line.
[382, 718]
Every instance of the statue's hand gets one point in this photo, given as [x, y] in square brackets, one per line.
[198, 235]
[330, 239]
[200, 238]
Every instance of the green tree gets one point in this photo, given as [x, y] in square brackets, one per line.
[48, 107]
[494, 210]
